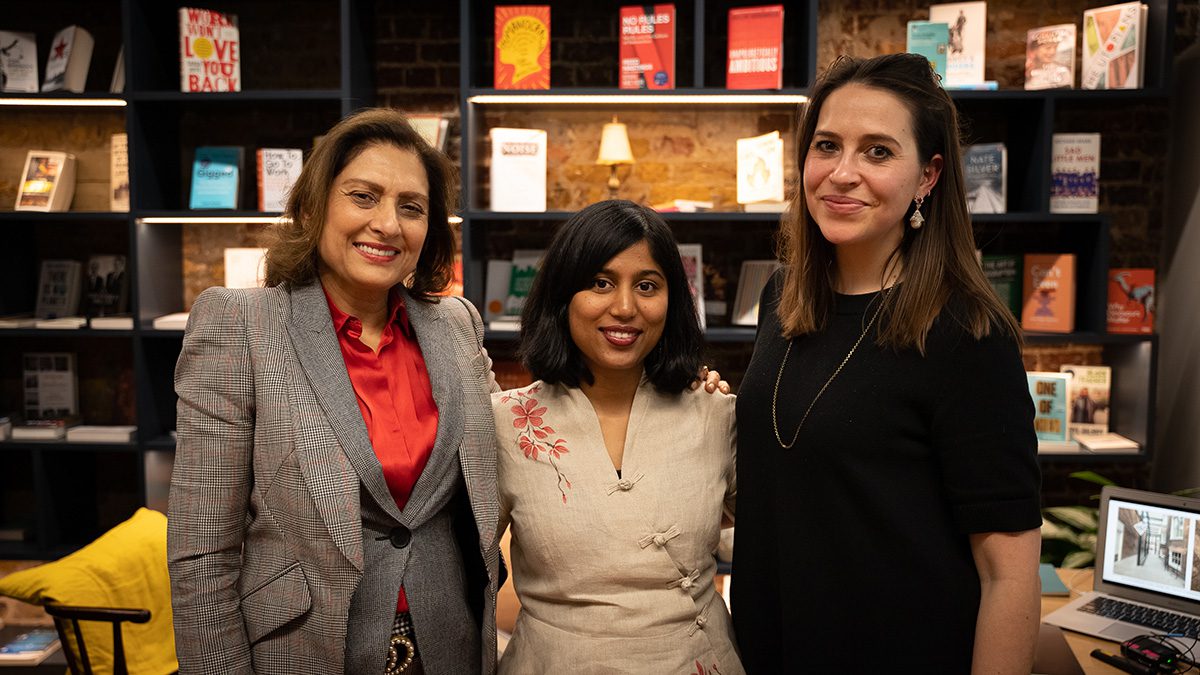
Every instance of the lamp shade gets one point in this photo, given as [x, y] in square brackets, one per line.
[614, 145]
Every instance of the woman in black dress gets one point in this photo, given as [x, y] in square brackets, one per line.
[888, 515]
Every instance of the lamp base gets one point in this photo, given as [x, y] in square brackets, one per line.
[613, 182]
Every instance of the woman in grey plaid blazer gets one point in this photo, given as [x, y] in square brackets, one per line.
[285, 546]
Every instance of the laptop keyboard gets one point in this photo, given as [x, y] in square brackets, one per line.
[1167, 622]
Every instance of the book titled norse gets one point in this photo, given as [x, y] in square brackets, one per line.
[1114, 40]
[118, 181]
[47, 182]
[1075, 173]
[1003, 272]
[1050, 57]
[277, 170]
[51, 388]
[692, 256]
[1131, 300]
[755, 56]
[647, 47]
[70, 57]
[1049, 393]
[106, 286]
[760, 168]
[216, 178]
[18, 62]
[522, 54]
[1049, 293]
[985, 172]
[968, 41]
[518, 171]
[1088, 399]
[210, 51]
[930, 39]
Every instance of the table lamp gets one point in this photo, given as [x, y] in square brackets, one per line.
[614, 151]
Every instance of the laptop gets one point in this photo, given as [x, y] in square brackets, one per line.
[1147, 579]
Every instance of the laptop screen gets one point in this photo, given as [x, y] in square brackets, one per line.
[1152, 548]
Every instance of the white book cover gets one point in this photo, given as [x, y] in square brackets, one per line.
[1114, 39]
[51, 388]
[70, 57]
[245, 267]
[111, 323]
[91, 433]
[35, 433]
[1088, 399]
[210, 51]
[518, 172]
[278, 169]
[48, 181]
[692, 256]
[62, 323]
[985, 177]
[495, 289]
[118, 196]
[1050, 57]
[60, 285]
[760, 168]
[968, 41]
[1108, 442]
[753, 279]
[176, 321]
[1075, 173]
[18, 62]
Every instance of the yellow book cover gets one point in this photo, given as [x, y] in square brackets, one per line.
[522, 47]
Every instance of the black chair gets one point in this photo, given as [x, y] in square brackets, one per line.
[65, 615]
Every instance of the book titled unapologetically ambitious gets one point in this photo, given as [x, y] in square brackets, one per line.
[522, 58]
[648, 47]
[210, 51]
[755, 57]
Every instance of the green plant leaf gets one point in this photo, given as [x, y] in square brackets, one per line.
[1051, 530]
[1083, 518]
[1078, 559]
[1091, 477]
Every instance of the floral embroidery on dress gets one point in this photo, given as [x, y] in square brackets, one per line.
[701, 670]
[533, 435]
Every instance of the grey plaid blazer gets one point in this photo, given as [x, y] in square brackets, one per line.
[279, 521]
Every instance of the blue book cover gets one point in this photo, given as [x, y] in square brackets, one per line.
[930, 39]
[216, 178]
[1049, 393]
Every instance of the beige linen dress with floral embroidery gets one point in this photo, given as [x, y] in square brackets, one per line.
[615, 573]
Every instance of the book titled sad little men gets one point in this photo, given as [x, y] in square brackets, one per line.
[648, 47]
[1049, 293]
[210, 51]
[522, 59]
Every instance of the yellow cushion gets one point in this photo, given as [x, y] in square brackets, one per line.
[127, 568]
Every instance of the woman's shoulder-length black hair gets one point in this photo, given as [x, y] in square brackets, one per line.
[580, 249]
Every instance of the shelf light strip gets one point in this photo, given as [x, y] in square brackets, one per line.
[66, 102]
[726, 99]
[228, 220]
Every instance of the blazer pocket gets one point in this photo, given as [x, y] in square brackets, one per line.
[276, 602]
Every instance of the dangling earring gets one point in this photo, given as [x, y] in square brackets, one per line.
[917, 220]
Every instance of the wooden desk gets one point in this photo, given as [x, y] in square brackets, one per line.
[1079, 582]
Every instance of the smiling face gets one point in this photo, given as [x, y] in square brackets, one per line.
[862, 170]
[376, 220]
[620, 316]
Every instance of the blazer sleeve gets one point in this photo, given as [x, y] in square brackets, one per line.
[476, 322]
[210, 486]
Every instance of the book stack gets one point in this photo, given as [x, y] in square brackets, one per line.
[90, 433]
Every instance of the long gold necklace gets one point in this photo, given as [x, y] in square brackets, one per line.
[779, 377]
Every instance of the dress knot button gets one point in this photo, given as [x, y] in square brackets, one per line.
[660, 540]
[624, 485]
[701, 621]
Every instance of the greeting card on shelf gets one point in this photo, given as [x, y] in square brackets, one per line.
[1050, 57]
[48, 181]
[522, 58]
[1049, 292]
[1075, 173]
[277, 170]
[1114, 39]
[647, 51]
[70, 56]
[755, 56]
[518, 171]
[930, 39]
[18, 62]
[210, 57]
[968, 41]
[216, 178]
[760, 168]
[985, 172]
[1131, 300]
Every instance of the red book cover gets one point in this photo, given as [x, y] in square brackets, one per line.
[648, 47]
[755, 48]
[522, 47]
[1131, 300]
[1049, 305]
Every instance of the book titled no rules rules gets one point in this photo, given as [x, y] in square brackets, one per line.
[209, 51]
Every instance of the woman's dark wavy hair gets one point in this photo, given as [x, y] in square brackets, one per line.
[580, 249]
[292, 254]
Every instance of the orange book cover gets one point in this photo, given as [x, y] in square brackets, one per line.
[522, 47]
[1049, 305]
[1131, 300]
[648, 47]
[755, 58]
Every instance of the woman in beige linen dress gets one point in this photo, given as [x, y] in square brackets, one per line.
[613, 472]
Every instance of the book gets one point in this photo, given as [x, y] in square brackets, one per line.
[985, 174]
[29, 648]
[432, 128]
[1049, 393]
[277, 170]
[760, 168]
[1075, 173]
[175, 321]
[1003, 272]
[1050, 57]
[210, 51]
[62, 323]
[967, 23]
[118, 79]
[48, 181]
[930, 39]
[1051, 583]
[107, 285]
[496, 285]
[90, 433]
[1131, 300]
[118, 173]
[44, 429]
[216, 178]
[1108, 442]
[1114, 39]
[754, 59]
[522, 54]
[111, 323]
[647, 50]
[51, 388]
[59, 288]
[18, 62]
[69, 60]
[518, 171]
[692, 256]
[1049, 293]
[245, 267]
[1088, 399]
[23, 320]
[684, 206]
[753, 278]
[525, 264]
